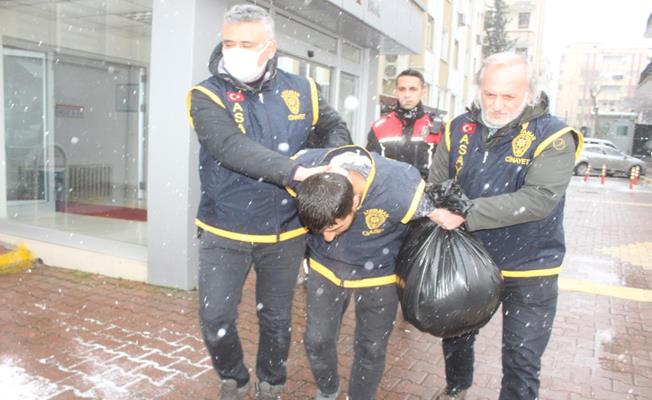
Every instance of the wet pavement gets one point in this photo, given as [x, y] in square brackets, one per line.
[68, 335]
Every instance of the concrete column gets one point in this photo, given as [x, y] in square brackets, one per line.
[183, 36]
[3, 155]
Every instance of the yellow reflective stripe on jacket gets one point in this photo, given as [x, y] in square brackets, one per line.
[210, 94]
[447, 135]
[188, 105]
[205, 91]
[291, 191]
[243, 237]
[533, 273]
[350, 284]
[580, 142]
[315, 101]
[415, 202]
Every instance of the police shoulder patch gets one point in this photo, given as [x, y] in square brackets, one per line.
[559, 144]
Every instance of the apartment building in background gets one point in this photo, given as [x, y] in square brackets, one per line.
[598, 76]
[525, 27]
[644, 89]
[449, 56]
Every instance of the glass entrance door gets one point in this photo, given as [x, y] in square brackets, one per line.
[319, 73]
[29, 162]
[349, 101]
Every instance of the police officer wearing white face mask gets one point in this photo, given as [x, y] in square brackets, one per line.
[250, 117]
[245, 65]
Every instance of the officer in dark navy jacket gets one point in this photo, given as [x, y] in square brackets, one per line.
[357, 227]
[250, 117]
[514, 160]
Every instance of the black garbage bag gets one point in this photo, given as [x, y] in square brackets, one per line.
[448, 284]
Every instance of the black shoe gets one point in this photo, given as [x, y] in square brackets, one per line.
[265, 391]
[230, 390]
[445, 395]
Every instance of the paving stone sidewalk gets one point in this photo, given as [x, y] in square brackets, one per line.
[71, 335]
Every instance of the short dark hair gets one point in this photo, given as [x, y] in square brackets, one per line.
[323, 198]
[411, 72]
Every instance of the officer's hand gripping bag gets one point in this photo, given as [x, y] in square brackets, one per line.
[448, 284]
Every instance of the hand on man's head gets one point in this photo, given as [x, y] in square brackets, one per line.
[338, 170]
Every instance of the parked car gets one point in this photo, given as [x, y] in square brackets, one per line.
[600, 142]
[616, 161]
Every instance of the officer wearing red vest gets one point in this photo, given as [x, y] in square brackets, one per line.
[406, 133]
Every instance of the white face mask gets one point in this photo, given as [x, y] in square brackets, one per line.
[242, 64]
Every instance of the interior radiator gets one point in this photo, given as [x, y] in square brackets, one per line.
[89, 180]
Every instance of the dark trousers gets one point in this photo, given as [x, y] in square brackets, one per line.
[223, 268]
[375, 311]
[529, 306]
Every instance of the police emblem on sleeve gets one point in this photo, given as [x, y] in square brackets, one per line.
[559, 144]
[374, 218]
[291, 99]
[520, 144]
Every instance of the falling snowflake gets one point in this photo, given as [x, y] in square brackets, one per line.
[284, 147]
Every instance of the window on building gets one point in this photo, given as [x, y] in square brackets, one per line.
[521, 50]
[610, 89]
[605, 127]
[452, 107]
[445, 45]
[622, 130]
[613, 59]
[523, 20]
[319, 73]
[351, 52]
[426, 97]
[75, 117]
[430, 32]
[456, 53]
[461, 19]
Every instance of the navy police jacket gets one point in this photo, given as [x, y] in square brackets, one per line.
[529, 249]
[365, 254]
[279, 117]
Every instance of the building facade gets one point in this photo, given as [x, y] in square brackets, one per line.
[98, 166]
[598, 78]
[644, 89]
[450, 55]
[525, 27]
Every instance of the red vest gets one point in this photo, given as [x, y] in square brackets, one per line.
[389, 128]
[417, 149]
